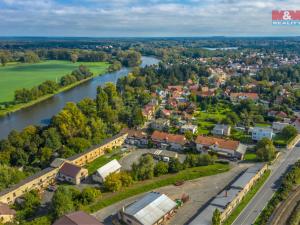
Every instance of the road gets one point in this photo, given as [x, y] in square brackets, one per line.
[260, 200]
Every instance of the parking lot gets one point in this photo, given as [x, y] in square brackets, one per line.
[200, 191]
[136, 153]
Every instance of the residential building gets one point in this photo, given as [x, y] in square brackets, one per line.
[148, 111]
[189, 127]
[160, 124]
[278, 126]
[77, 218]
[259, 133]
[152, 209]
[137, 137]
[224, 147]
[72, 173]
[111, 167]
[277, 114]
[221, 130]
[236, 97]
[6, 213]
[165, 140]
[296, 124]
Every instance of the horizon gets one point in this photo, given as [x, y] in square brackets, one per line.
[133, 18]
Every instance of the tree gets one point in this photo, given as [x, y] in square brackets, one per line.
[161, 168]
[88, 195]
[265, 150]
[78, 144]
[216, 219]
[45, 155]
[62, 202]
[74, 57]
[30, 57]
[5, 57]
[10, 175]
[144, 169]
[30, 204]
[289, 131]
[112, 182]
[52, 138]
[71, 122]
[175, 166]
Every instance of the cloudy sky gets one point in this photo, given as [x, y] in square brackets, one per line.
[135, 18]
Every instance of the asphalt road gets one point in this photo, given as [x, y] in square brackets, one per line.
[260, 200]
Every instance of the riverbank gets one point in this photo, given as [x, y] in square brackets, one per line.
[17, 107]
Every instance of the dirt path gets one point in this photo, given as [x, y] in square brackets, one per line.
[200, 191]
[283, 212]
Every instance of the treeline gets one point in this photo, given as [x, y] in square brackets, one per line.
[288, 182]
[129, 58]
[25, 95]
[74, 129]
[146, 169]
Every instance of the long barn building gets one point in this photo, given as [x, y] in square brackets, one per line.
[45, 177]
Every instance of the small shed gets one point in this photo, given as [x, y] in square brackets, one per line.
[111, 167]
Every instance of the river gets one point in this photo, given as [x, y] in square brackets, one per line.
[41, 113]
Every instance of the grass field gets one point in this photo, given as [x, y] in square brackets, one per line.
[214, 114]
[20, 75]
[148, 185]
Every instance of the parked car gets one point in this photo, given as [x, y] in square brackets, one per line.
[52, 188]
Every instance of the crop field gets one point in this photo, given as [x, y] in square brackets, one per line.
[19, 75]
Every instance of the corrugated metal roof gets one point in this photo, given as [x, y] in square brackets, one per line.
[150, 208]
[109, 168]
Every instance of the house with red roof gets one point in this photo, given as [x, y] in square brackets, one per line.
[77, 218]
[72, 173]
[236, 97]
[165, 140]
[224, 147]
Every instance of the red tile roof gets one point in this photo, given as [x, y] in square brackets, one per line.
[170, 138]
[253, 96]
[70, 170]
[136, 133]
[220, 142]
[77, 218]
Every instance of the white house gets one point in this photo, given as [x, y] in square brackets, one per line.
[111, 167]
[188, 127]
[259, 133]
[221, 130]
[278, 126]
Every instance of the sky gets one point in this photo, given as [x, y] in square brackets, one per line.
[143, 18]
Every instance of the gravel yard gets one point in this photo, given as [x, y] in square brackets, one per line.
[200, 191]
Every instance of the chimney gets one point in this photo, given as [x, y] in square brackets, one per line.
[226, 193]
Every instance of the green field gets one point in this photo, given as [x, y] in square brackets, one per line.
[20, 75]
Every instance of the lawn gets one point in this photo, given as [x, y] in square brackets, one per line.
[247, 198]
[148, 185]
[250, 157]
[102, 160]
[207, 119]
[23, 75]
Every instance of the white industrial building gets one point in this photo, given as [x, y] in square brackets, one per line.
[111, 167]
[154, 208]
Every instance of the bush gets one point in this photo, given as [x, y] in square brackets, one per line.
[161, 168]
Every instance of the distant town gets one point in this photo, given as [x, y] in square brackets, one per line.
[175, 133]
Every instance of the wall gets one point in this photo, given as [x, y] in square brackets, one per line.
[242, 193]
[44, 178]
